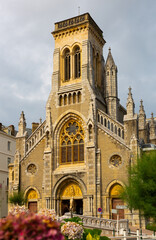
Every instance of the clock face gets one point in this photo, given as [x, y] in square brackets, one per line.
[115, 161]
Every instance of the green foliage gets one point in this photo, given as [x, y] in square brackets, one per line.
[17, 198]
[140, 192]
[151, 227]
[74, 219]
[104, 238]
[93, 234]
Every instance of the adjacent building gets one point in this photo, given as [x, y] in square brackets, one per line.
[80, 153]
[7, 152]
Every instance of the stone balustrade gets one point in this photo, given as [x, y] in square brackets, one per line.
[102, 223]
[35, 137]
[112, 126]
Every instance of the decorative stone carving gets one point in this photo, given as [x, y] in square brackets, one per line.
[116, 190]
[32, 194]
[71, 190]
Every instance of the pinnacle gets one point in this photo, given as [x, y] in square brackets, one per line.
[110, 61]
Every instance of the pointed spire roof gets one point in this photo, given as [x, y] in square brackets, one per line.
[110, 61]
[21, 125]
[152, 119]
[130, 104]
[141, 110]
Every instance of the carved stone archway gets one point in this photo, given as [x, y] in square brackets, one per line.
[69, 192]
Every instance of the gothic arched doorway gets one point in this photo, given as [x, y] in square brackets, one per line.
[32, 197]
[115, 192]
[71, 197]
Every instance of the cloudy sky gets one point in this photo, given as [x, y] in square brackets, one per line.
[26, 50]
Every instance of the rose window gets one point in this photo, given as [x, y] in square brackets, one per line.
[115, 161]
[32, 169]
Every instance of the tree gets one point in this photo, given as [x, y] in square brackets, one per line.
[17, 198]
[140, 192]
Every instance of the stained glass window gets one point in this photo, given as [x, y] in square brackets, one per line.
[72, 143]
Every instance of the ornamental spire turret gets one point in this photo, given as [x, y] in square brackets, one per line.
[21, 125]
[152, 128]
[130, 104]
[111, 87]
[142, 116]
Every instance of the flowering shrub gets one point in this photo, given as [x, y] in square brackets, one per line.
[25, 226]
[48, 213]
[16, 209]
[72, 230]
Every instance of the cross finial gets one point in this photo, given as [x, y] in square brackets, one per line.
[152, 115]
[130, 89]
[141, 102]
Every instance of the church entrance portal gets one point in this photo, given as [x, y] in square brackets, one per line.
[115, 200]
[77, 206]
[71, 197]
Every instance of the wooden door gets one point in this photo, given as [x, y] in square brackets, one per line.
[115, 202]
[65, 206]
[32, 206]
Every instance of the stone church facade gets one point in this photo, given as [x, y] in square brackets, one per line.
[81, 152]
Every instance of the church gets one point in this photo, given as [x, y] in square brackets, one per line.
[81, 152]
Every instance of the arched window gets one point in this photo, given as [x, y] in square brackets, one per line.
[60, 100]
[65, 99]
[122, 134]
[112, 127]
[67, 65]
[101, 120]
[79, 96]
[98, 118]
[119, 132]
[72, 143]
[115, 129]
[105, 122]
[69, 98]
[108, 124]
[74, 97]
[77, 62]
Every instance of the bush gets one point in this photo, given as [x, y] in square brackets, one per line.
[93, 234]
[26, 226]
[72, 230]
[17, 198]
[151, 227]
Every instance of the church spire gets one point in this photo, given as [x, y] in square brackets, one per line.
[110, 61]
[142, 116]
[141, 110]
[21, 125]
[130, 104]
[152, 128]
[111, 86]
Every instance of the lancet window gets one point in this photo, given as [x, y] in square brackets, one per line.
[72, 143]
[77, 61]
[67, 65]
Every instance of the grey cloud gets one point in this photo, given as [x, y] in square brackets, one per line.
[26, 47]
